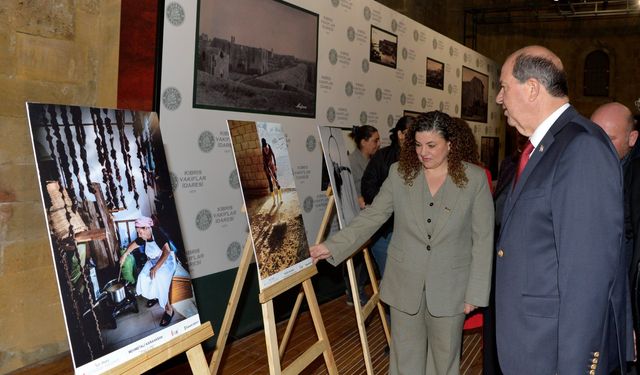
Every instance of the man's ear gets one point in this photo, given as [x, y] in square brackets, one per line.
[633, 137]
[533, 88]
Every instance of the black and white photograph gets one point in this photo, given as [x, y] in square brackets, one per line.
[336, 156]
[115, 237]
[435, 74]
[475, 94]
[256, 56]
[384, 47]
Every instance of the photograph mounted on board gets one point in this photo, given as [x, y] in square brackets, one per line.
[435, 74]
[114, 233]
[256, 56]
[410, 113]
[271, 200]
[475, 95]
[384, 47]
[336, 157]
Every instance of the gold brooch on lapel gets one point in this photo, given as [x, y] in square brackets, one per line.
[541, 147]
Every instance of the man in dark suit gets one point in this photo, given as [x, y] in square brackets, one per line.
[562, 296]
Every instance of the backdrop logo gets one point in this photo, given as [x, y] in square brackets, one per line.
[331, 114]
[441, 107]
[307, 205]
[449, 88]
[414, 79]
[403, 99]
[171, 98]
[175, 14]
[450, 51]
[233, 251]
[174, 181]
[423, 103]
[367, 13]
[365, 65]
[378, 94]
[390, 121]
[351, 33]
[333, 56]
[434, 43]
[348, 88]
[335, 3]
[457, 108]
[405, 53]
[458, 72]
[363, 118]
[203, 219]
[206, 141]
[234, 182]
[311, 143]
[394, 25]
[416, 35]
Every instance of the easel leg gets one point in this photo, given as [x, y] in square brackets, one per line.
[360, 318]
[245, 261]
[291, 323]
[271, 337]
[197, 361]
[314, 309]
[376, 294]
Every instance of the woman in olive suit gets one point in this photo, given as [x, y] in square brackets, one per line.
[439, 260]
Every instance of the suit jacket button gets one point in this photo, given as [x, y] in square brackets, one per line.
[500, 253]
[592, 372]
[428, 236]
[593, 366]
[596, 354]
[595, 360]
[428, 247]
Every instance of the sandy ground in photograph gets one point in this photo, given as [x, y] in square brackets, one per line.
[278, 232]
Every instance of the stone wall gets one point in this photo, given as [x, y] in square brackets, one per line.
[66, 52]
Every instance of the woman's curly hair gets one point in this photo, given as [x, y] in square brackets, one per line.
[409, 165]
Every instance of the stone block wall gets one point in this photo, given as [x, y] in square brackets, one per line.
[248, 151]
[63, 51]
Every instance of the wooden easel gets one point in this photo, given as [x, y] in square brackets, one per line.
[275, 354]
[362, 312]
[190, 342]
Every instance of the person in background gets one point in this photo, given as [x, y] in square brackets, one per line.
[374, 175]
[154, 281]
[561, 279]
[438, 267]
[367, 140]
[617, 121]
[270, 170]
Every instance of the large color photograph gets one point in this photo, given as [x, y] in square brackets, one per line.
[256, 56]
[115, 237]
[271, 200]
[336, 158]
[475, 95]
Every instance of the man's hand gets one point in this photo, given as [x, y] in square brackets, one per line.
[319, 252]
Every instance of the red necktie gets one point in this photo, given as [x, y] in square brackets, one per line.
[524, 158]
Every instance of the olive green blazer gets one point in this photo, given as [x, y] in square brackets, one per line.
[453, 266]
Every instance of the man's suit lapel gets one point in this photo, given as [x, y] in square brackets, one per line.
[535, 158]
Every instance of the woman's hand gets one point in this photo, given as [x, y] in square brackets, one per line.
[468, 308]
[152, 272]
[319, 252]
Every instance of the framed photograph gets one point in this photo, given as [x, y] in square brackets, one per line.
[489, 153]
[407, 112]
[271, 200]
[475, 94]
[384, 47]
[435, 74]
[256, 56]
[336, 157]
[110, 211]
